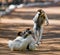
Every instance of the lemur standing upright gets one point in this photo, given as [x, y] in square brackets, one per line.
[39, 21]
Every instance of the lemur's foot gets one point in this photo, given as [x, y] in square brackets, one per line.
[38, 43]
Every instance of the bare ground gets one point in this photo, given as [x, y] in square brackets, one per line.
[21, 19]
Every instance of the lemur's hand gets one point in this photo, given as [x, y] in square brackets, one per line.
[47, 23]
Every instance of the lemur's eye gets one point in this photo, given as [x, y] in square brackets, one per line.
[39, 13]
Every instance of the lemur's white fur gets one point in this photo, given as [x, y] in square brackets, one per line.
[35, 17]
[38, 33]
[21, 44]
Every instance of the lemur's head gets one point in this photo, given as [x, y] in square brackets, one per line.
[27, 32]
[19, 33]
[40, 10]
[41, 13]
[28, 29]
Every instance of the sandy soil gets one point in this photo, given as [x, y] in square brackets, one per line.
[21, 19]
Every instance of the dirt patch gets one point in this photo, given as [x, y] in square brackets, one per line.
[19, 21]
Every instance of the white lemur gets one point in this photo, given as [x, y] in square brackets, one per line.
[23, 41]
[39, 21]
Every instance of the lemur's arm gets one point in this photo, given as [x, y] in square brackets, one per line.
[47, 22]
[36, 16]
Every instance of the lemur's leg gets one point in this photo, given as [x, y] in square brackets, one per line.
[11, 49]
[35, 31]
[32, 45]
[10, 44]
[35, 34]
[40, 35]
[47, 22]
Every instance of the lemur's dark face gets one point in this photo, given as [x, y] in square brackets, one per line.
[19, 33]
[24, 32]
[41, 12]
[27, 31]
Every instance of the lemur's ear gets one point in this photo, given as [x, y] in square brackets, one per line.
[19, 33]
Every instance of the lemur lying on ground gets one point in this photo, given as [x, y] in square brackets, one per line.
[24, 41]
